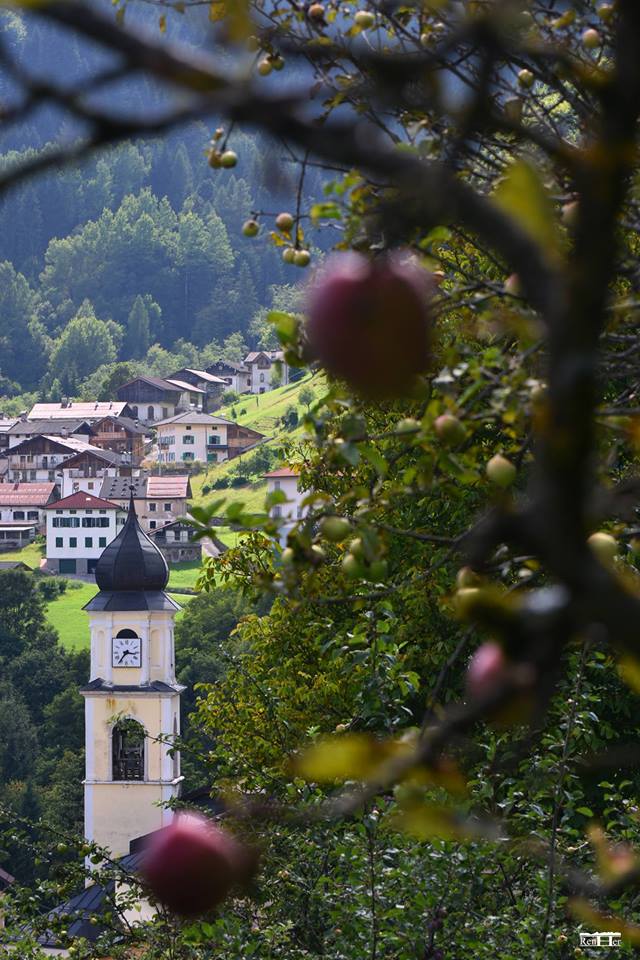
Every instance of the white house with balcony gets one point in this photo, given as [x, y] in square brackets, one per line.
[261, 365]
[292, 510]
[193, 436]
[79, 527]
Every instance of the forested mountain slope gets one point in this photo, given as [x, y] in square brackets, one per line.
[141, 245]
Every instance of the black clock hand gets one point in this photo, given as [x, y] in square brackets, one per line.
[127, 653]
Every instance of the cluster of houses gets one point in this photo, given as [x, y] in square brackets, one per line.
[68, 469]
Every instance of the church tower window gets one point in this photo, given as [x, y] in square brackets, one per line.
[128, 750]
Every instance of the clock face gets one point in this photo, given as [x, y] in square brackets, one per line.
[126, 651]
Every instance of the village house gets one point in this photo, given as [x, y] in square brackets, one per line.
[39, 458]
[79, 528]
[156, 398]
[123, 435]
[27, 501]
[5, 425]
[212, 385]
[86, 470]
[236, 375]
[288, 481]
[261, 365]
[65, 427]
[158, 500]
[88, 410]
[188, 437]
[22, 512]
[175, 542]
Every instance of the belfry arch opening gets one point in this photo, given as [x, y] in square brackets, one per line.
[126, 633]
[127, 749]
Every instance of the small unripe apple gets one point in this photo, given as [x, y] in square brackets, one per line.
[213, 159]
[288, 556]
[356, 547]
[407, 425]
[378, 571]
[604, 546]
[284, 222]
[501, 471]
[316, 11]
[335, 529]
[364, 19]
[288, 254]
[512, 285]
[425, 39]
[302, 258]
[486, 671]
[591, 39]
[606, 11]
[369, 322]
[264, 67]
[449, 429]
[467, 577]
[526, 78]
[250, 228]
[352, 567]
[229, 158]
[277, 62]
[192, 865]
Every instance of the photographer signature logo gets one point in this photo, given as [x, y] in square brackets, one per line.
[601, 939]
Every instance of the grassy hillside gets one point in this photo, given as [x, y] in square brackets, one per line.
[72, 623]
[261, 412]
[31, 555]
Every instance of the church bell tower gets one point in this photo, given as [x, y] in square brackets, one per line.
[132, 700]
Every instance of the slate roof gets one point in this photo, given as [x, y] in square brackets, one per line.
[82, 501]
[131, 600]
[13, 565]
[107, 456]
[51, 426]
[155, 686]
[92, 901]
[95, 409]
[131, 562]
[146, 488]
[26, 494]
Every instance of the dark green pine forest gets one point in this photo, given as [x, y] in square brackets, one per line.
[134, 259]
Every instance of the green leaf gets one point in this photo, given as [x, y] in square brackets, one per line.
[585, 811]
[522, 194]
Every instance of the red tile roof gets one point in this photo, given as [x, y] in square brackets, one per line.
[82, 500]
[168, 487]
[25, 494]
[282, 472]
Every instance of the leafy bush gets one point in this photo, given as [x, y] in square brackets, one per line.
[50, 588]
[290, 417]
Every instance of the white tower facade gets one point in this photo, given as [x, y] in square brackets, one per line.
[132, 700]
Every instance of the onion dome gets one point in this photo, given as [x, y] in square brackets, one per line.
[131, 562]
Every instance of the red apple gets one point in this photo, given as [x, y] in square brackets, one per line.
[369, 321]
[192, 865]
[486, 671]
